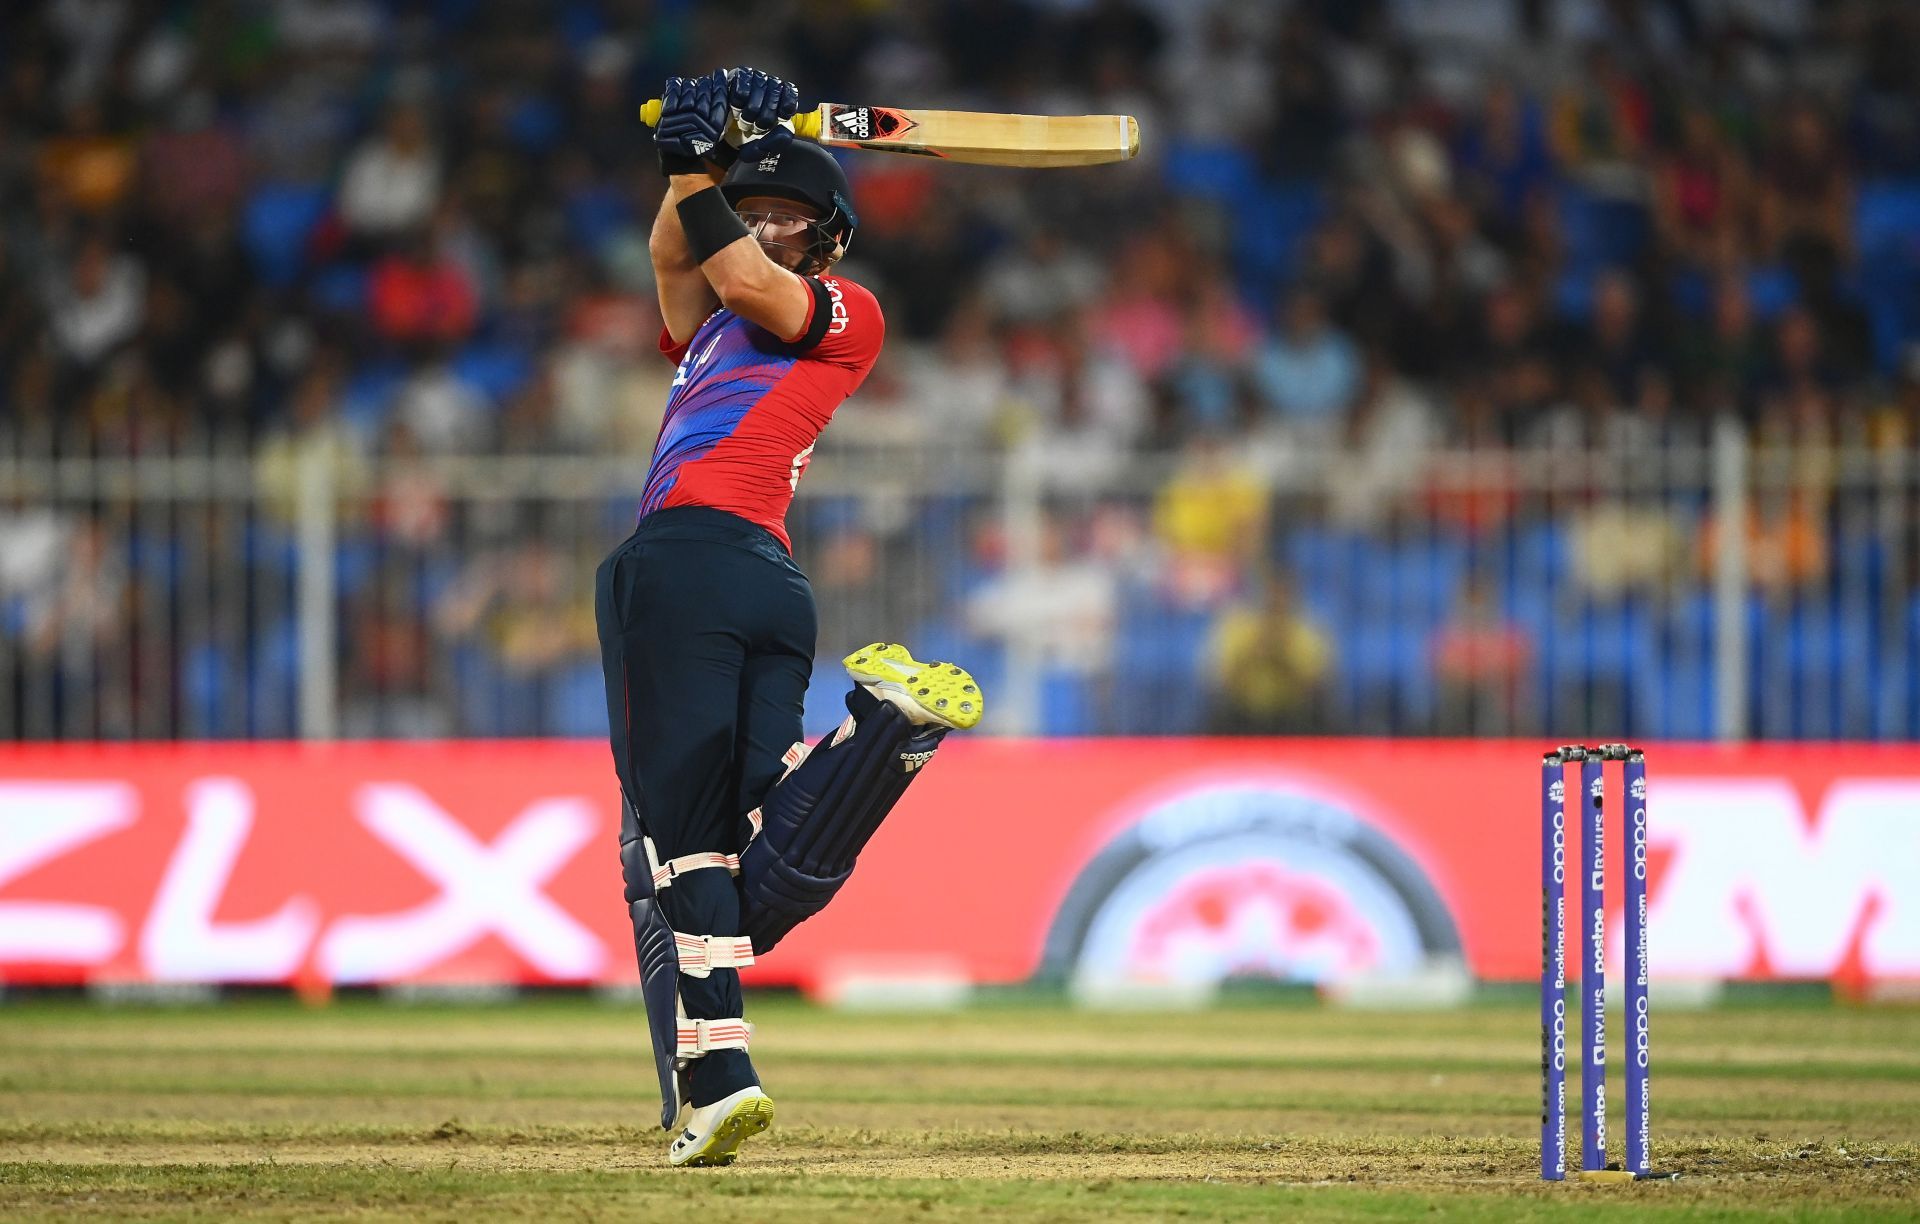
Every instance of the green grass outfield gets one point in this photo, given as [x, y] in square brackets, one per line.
[1018, 1111]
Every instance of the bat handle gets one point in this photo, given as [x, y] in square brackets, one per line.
[806, 125]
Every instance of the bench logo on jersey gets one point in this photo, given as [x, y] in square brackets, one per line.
[839, 318]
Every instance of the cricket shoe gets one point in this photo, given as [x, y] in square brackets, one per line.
[713, 1133]
[929, 694]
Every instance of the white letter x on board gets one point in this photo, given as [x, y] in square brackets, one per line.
[483, 889]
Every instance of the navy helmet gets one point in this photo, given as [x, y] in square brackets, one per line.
[807, 174]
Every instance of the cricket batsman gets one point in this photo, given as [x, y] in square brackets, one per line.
[733, 832]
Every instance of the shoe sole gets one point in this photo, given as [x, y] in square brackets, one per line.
[946, 692]
[746, 1120]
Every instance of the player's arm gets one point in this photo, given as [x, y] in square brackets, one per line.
[742, 277]
[689, 143]
[686, 297]
[691, 137]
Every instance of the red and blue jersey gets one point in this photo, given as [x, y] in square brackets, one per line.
[746, 407]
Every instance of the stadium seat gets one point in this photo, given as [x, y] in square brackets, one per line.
[273, 681]
[596, 215]
[1601, 230]
[1771, 290]
[1068, 703]
[1886, 220]
[1268, 229]
[368, 395]
[1222, 173]
[577, 701]
[340, 289]
[496, 371]
[278, 219]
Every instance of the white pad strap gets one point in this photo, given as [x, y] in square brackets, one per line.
[700, 955]
[793, 756]
[665, 873]
[699, 1036]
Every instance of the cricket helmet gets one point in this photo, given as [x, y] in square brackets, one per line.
[807, 174]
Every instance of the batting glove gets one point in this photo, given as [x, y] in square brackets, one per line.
[761, 105]
[693, 116]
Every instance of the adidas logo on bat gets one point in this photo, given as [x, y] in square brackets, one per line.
[856, 123]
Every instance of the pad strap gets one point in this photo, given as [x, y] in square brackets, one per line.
[697, 1037]
[700, 955]
[665, 873]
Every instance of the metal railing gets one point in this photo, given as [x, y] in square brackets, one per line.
[207, 589]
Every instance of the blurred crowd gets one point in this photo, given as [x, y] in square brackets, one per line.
[1362, 234]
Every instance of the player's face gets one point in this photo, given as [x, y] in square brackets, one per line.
[782, 227]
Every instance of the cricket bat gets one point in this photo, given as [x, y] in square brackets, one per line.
[976, 137]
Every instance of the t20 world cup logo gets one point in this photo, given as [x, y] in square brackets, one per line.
[1255, 877]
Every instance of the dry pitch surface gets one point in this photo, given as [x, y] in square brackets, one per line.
[541, 1110]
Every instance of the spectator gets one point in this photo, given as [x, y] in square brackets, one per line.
[1480, 660]
[1700, 191]
[392, 181]
[1603, 118]
[1395, 426]
[86, 167]
[1061, 605]
[99, 306]
[389, 687]
[1211, 518]
[1625, 547]
[411, 507]
[961, 387]
[1723, 361]
[1806, 190]
[78, 626]
[1088, 405]
[442, 412]
[313, 433]
[1308, 374]
[1039, 279]
[1786, 550]
[1513, 361]
[1220, 80]
[1613, 345]
[420, 298]
[1267, 664]
[1503, 156]
[1209, 379]
[1799, 365]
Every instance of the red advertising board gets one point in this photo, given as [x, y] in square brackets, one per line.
[1182, 860]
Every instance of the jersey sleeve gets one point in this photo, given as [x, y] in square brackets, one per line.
[846, 326]
[668, 349]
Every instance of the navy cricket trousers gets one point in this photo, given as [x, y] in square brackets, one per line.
[707, 634]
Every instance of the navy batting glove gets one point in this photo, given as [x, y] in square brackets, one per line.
[693, 116]
[761, 103]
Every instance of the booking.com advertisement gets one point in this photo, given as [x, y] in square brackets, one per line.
[1166, 862]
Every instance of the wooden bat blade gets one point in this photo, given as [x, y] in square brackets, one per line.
[981, 137]
[977, 137]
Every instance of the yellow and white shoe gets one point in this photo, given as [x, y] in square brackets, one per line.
[713, 1133]
[929, 694]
